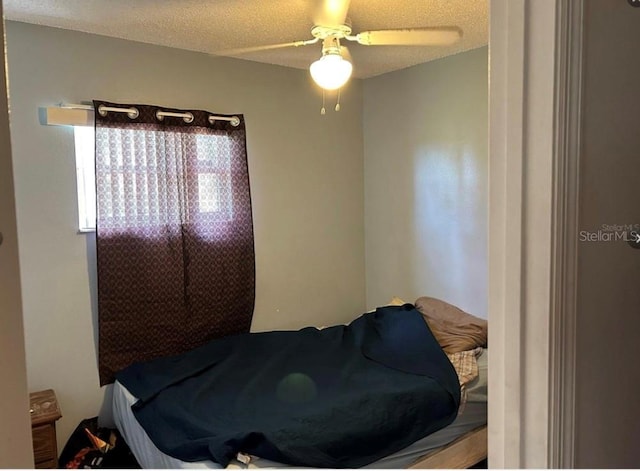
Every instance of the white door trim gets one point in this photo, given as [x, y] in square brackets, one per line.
[534, 123]
[569, 71]
[16, 450]
[506, 101]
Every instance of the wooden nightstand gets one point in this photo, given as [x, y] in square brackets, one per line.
[44, 413]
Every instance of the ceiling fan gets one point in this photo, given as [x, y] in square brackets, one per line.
[334, 67]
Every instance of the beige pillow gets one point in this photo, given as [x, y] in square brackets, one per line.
[396, 301]
[454, 329]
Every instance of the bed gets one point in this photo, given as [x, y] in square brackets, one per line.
[459, 444]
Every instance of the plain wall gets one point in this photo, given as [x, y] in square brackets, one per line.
[426, 202]
[608, 318]
[15, 427]
[306, 173]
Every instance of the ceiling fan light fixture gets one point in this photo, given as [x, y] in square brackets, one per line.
[331, 71]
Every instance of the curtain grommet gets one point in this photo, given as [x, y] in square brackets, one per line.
[234, 120]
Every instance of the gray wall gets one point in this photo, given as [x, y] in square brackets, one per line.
[425, 135]
[423, 131]
[15, 428]
[306, 183]
[608, 321]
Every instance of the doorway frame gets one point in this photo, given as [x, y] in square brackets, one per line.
[535, 86]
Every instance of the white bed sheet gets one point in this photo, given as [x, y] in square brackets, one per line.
[148, 455]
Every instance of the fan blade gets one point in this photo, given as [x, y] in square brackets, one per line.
[438, 36]
[331, 12]
[268, 47]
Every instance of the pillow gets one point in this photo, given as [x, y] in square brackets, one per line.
[454, 329]
[477, 388]
[396, 301]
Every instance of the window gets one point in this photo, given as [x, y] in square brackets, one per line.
[86, 177]
[213, 167]
[212, 194]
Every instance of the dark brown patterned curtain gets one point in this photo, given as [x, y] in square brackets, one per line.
[174, 232]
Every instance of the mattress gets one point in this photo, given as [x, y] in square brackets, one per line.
[474, 415]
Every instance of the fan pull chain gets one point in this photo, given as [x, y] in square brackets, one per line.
[323, 110]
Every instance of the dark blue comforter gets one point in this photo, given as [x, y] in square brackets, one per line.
[340, 397]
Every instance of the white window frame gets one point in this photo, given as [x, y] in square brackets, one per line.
[84, 138]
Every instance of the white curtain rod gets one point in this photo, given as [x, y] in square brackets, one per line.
[160, 115]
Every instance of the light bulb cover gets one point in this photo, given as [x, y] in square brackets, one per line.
[331, 71]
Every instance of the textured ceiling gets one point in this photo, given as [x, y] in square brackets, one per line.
[212, 26]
